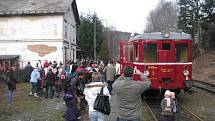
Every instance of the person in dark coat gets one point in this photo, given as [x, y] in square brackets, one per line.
[11, 82]
[50, 79]
[72, 113]
[28, 70]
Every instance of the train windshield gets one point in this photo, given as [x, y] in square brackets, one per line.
[150, 52]
[181, 52]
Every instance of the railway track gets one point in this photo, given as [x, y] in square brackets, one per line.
[184, 113]
[205, 86]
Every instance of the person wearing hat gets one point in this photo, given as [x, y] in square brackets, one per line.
[166, 105]
[129, 94]
[91, 90]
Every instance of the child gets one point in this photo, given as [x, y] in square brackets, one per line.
[166, 105]
[72, 113]
[175, 106]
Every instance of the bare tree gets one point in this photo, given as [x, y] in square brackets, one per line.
[163, 17]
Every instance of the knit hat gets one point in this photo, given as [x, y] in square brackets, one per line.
[167, 93]
[128, 71]
[172, 95]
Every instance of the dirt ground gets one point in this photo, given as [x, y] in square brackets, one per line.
[203, 68]
[29, 108]
[202, 103]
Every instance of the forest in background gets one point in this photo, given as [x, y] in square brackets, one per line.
[195, 17]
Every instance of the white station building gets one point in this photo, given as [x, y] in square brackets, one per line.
[33, 30]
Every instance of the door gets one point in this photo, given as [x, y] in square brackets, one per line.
[166, 60]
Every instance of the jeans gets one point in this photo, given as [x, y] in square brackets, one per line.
[121, 119]
[97, 116]
[34, 87]
[110, 83]
[10, 96]
[49, 91]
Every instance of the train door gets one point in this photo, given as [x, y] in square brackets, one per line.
[166, 59]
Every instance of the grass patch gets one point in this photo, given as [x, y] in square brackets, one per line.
[27, 107]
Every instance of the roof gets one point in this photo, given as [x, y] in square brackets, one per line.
[8, 57]
[36, 7]
[159, 36]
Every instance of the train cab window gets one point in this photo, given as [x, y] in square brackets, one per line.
[128, 53]
[166, 46]
[181, 52]
[150, 52]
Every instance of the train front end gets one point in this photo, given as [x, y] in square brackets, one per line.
[167, 61]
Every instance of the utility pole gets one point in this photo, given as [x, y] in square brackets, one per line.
[94, 37]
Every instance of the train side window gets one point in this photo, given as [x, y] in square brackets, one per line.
[150, 52]
[166, 46]
[181, 52]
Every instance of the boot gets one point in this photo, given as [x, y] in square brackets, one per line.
[35, 95]
[30, 94]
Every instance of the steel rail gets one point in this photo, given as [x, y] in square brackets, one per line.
[205, 83]
[152, 113]
[186, 109]
[210, 89]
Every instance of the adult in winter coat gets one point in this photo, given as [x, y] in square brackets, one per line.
[11, 82]
[91, 90]
[129, 94]
[28, 70]
[110, 74]
[35, 76]
[50, 80]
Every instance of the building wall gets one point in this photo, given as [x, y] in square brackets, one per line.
[32, 37]
[33, 51]
[70, 34]
[31, 28]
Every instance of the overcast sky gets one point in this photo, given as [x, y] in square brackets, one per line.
[125, 15]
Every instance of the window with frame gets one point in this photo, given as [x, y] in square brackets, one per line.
[150, 52]
[165, 46]
[65, 31]
[128, 53]
[136, 52]
[181, 52]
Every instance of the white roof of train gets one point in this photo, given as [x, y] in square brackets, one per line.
[159, 36]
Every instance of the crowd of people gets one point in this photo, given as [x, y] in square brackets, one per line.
[81, 83]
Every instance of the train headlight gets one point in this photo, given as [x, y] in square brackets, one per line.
[146, 73]
[166, 34]
[186, 72]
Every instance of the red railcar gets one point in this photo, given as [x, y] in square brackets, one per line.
[165, 57]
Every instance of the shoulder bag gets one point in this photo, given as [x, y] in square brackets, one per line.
[102, 103]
